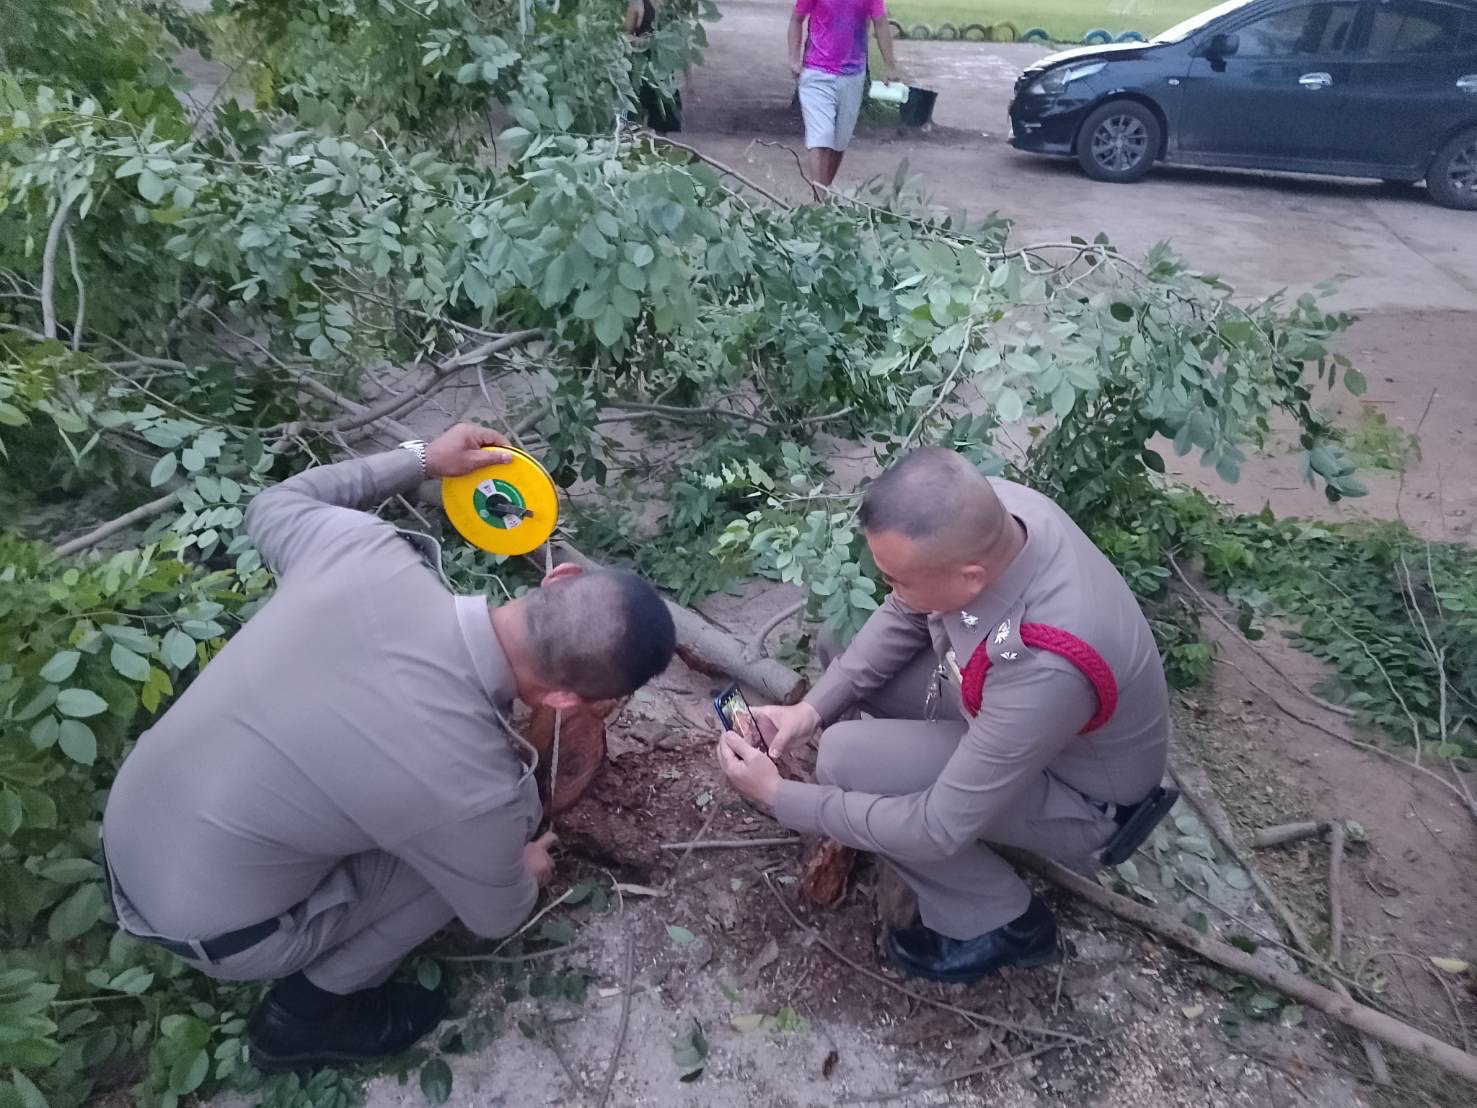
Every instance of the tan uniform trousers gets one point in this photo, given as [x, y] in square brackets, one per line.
[352, 931]
[897, 753]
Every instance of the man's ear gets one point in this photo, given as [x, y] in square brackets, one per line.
[563, 700]
[975, 577]
[561, 573]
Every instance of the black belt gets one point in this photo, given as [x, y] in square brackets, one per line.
[220, 947]
[214, 950]
[1136, 822]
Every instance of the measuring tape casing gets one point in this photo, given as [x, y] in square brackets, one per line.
[504, 509]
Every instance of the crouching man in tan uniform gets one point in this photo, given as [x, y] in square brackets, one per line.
[341, 782]
[1017, 697]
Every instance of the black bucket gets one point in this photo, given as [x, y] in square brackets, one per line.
[917, 110]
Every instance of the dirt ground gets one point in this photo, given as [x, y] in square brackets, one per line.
[1155, 1031]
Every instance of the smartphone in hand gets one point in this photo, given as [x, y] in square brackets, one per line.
[733, 712]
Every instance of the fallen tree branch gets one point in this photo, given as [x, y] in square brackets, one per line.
[1288, 833]
[81, 292]
[1357, 1016]
[712, 651]
[113, 526]
[730, 844]
[1379, 1069]
[511, 958]
[976, 1017]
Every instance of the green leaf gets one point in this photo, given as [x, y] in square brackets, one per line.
[150, 187]
[179, 648]
[1355, 382]
[610, 326]
[429, 975]
[128, 664]
[690, 1052]
[163, 470]
[70, 871]
[631, 277]
[11, 813]
[1237, 878]
[80, 703]
[593, 241]
[45, 732]
[680, 935]
[436, 1081]
[1121, 312]
[189, 1072]
[78, 742]
[38, 703]
[134, 981]
[61, 666]
[1152, 460]
[1199, 921]
[77, 914]
[1009, 407]
[30, 1096]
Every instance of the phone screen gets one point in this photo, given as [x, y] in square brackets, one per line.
[733, 709]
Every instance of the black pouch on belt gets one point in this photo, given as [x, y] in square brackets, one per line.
[1136, 824]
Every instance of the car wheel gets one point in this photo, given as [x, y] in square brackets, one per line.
[1452, 179]
[1119, 141]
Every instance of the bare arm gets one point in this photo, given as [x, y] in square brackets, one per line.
[797, 43]
[883, 29]
[633, 16]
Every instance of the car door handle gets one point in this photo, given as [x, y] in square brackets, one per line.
[1467, 83]
[1315, 80]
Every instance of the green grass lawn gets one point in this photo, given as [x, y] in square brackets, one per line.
[1068, 20]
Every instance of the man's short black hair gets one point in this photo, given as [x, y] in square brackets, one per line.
[602, 634]
[920, 495]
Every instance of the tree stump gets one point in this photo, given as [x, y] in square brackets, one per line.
[825, 872]
[581, 751]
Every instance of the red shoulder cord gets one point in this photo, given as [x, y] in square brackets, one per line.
[1064, 644]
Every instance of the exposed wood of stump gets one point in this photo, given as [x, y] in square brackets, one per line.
[824, 875]
[581, 751]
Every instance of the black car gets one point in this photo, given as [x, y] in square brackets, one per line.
[1358, 88]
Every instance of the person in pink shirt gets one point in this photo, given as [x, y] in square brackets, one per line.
[828, 53]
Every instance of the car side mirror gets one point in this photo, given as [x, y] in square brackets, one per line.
[1222, 46]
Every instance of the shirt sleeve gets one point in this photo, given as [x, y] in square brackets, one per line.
[1023, 725]
[803, 8]
[476, 865]
[294, 522]
[889, 640]
[877, 9]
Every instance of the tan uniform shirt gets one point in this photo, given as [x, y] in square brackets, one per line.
[1035, 703]
[360, 709]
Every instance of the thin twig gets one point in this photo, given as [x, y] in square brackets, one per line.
[512, 958]
[722, 168]
[756, 648]
[540, 914]
[620, 1034]
[1335, 894]
[1336, 709]
[731, 844]
[1371, 748]
[689, 847]
[826, 945]
[81, 292]
[48, 266]
[942, 1082]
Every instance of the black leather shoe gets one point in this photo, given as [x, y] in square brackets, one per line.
[369, 1025]
[1028, 940]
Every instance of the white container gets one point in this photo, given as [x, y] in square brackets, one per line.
[890, 92]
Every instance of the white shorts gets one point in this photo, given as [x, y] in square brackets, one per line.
[830, 103]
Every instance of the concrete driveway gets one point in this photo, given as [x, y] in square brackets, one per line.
[1261, 232]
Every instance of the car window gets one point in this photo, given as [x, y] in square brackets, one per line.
[1405, 28]
[1311, 31]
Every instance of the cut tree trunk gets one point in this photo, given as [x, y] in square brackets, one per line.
[581, 751]
[824, 875]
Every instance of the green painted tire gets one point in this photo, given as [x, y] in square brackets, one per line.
[920, 30]
[946, 32]
[1098, 36]
[1037, 34]
[975, 32]
[1005, 32]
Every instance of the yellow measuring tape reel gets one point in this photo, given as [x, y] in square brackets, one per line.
[503, 509]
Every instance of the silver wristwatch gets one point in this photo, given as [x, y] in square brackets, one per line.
[418, 448]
